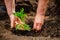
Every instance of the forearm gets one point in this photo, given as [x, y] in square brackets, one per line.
[42, 6]
[13, 5]
[10, 5]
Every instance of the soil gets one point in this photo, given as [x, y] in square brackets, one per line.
[49, 31]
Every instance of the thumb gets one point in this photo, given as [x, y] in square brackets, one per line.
[39, 26]
[12, 20]
[34, 26]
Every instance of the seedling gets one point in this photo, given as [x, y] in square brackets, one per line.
[21, 15]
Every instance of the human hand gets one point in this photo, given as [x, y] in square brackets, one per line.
[14, 20]
[39, 21]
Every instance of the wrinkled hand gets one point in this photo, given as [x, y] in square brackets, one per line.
[39, 20]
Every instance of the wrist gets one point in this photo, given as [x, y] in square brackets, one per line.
[40, 14]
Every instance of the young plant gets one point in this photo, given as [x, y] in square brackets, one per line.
[21, 15]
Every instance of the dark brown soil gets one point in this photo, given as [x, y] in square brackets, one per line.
[51, 27]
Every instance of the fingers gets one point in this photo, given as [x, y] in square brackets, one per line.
[17, 21]
[39, 20]
[37, 26]
[34, 27]
[14, 21]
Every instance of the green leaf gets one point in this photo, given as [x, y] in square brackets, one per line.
[27, 27]
[23, 26]
[22, 16]
[19, 27]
